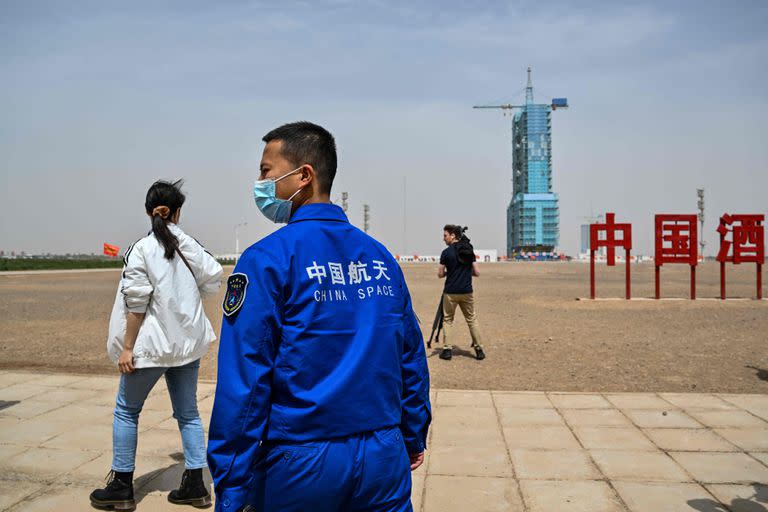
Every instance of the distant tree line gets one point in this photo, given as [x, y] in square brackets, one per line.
[65, 263]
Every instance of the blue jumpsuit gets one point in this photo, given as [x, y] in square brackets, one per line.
[323, 385]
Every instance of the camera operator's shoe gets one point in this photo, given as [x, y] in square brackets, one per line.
[192, 491]
[446, 354]
[117, 495]
[479, 354]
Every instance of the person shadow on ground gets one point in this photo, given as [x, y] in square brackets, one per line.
[751, 504]
[761, 373]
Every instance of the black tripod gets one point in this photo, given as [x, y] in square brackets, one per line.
[437, 325]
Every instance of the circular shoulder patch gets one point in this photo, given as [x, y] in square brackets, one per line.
[235, 297]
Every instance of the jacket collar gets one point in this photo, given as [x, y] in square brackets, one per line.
[318, 211]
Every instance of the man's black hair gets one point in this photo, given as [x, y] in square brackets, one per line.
[454, 230]
[308, 143]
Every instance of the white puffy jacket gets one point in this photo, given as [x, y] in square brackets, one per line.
[175, 330]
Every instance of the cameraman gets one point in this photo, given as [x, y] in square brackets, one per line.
[457, 266]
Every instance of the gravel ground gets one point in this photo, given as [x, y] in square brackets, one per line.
[537, 335]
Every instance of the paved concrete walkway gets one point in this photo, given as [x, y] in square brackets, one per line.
[489, 451]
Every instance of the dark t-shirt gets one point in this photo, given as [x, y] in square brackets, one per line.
[458, 278]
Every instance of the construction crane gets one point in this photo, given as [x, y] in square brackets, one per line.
[557, 103]
[532, 215]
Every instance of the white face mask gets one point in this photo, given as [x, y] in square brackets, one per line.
[275, 209]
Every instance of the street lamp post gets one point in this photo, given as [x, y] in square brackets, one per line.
[237, 238]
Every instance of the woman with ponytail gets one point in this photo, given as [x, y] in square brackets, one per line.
[158, 328]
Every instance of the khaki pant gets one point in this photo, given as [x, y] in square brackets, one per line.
[466, 302]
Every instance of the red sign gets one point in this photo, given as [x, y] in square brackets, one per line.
[676, 241]
[747, 241]
[610, 229]
[747, 245]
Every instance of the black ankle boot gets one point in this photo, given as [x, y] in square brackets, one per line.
[192, 491]
[117, 495]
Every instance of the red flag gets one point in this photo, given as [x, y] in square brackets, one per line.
[111, 250]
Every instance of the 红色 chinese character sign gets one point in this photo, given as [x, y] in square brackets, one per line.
[676, 241]
[745, 245]
[610, 241]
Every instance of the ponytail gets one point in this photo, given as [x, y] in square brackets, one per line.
[163, 201]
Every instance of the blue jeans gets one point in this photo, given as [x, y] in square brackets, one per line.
[134, 388]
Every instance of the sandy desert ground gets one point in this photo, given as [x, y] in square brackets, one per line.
[537, 335]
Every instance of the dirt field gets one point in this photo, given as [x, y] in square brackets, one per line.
[537, 336]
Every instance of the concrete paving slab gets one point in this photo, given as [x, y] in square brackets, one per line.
[464, 426]
[417, 490]
[82, 412]
[102, 398]
[541, 437]
[58, 381]
[7, 424]
[48, 463]
[159, 442]
[746, 400]
[666, 497]
[728, 419]
[756, 404]
[67, 498]
[638, 401]
[152, 418]
[158, 502]
[30, 408]
[158, 401]
[688, 439]
[762, 457]
[12, 492]
[169, 424]
[95, 471]
[486, 448]
[613, 438]
[34, 433]
[97, 384]
[569, 496]
[205, 405]
[22, 391]
[88, 437]
[527, 400]
[662, 419]
[741, 498]
[696, 401]
[579, 401]
[722, 467]
[637, 465]
[8, 450]
[748, 439]
[205, 389]
[595, 418]
[12, 378]
[461, 493]
[554, 465]
[65, 396]
[516, 416]
[483, 459]
[464, 398]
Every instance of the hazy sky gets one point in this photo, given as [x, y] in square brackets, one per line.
[98, 99]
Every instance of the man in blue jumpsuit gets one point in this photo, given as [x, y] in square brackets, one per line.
[322, 401]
